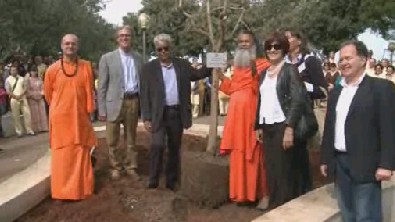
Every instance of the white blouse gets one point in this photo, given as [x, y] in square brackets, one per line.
[270, 111]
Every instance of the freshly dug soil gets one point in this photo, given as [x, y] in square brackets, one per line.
[130, 201]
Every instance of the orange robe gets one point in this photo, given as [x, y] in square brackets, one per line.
[71, 135]
[247, 180]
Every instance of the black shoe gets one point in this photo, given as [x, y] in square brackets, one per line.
[246, 204]
[152, 186]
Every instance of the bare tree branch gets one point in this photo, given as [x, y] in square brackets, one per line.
[201, 31]
[209, 23]
[187, 14]
[238, 22]
[222, 18]
[236, 8]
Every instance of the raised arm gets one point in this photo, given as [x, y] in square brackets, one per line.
[197, 74]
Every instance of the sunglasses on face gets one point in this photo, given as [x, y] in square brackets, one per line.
[163, 49]
[273, 46]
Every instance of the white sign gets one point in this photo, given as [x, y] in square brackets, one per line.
[216, 59]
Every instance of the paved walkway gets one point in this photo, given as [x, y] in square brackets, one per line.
[19, 153]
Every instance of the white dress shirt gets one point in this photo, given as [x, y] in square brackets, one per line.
[343, 105]
[270, 111]
[170, 80]
[129, 72]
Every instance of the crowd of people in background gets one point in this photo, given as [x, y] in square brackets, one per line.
[375, 68]
[21, 92]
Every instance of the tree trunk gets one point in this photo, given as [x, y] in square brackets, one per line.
[216, 46]
[213, 132]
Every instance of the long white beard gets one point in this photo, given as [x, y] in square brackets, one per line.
[243, 57]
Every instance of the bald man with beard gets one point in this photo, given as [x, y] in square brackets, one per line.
[247, 178]
[68, 89]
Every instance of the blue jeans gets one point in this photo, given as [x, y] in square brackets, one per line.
[358, 202]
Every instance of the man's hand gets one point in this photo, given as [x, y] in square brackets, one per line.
[259, 135]
[288, 139]
[148, 126]
[383, 174]
[324, 170]
[102, 118]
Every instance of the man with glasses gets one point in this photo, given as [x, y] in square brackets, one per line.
[166, 107]
[118, 98]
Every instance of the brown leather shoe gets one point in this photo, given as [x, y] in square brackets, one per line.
[115, 175]
[133, 175]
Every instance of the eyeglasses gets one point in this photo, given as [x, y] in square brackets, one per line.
[273, 46]
[124, 35]
[163, 49]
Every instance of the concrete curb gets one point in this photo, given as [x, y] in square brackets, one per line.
[26, 189]
[321, 205]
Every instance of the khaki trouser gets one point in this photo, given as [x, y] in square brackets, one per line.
[18, 108]
[223, 103]
[195, 104]
[119, 156]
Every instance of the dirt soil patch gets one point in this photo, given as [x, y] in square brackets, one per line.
[130, 201]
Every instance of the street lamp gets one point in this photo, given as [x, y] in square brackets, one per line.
[391, 48]
[143, 23]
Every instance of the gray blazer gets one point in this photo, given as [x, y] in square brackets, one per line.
[111, 87]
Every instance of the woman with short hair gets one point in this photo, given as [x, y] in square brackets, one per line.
[280, 106]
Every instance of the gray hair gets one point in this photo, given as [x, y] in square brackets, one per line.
[162, 38]
[124, 27]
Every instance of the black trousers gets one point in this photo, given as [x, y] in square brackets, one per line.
[171, 128]
[301, 172]
[278, 164]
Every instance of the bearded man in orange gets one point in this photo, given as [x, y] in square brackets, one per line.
[247, 180]
[68, 90]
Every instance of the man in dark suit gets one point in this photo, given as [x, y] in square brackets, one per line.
[166, 107]
[358, 146]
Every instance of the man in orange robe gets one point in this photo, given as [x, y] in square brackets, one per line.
[247, 180]
[68, 91]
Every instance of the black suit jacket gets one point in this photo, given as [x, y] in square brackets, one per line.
[369, 129]
[312, 73]
[152, 90]
[290, 93]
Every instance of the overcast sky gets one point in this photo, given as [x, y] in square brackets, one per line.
[116, 9]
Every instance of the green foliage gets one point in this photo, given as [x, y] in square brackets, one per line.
[325, 23]
[165, 17]
[36, 27]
